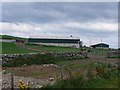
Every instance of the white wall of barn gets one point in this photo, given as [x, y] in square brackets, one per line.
[61, 44]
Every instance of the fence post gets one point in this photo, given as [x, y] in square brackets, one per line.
[12, 81]
[61, 67]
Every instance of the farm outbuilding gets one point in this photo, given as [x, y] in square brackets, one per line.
[100, 45]
[66, 42]
[20, 43]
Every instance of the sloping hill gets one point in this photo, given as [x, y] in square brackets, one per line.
[11, 48]
[11, 37]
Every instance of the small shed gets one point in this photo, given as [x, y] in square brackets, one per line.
[20, 43]
[100, 45]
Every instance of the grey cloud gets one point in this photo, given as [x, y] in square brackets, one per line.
[47, 13]
[54, 12]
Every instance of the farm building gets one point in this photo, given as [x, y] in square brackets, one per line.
[100, 45]
[7, 40]
[20, 43]
[66, 42]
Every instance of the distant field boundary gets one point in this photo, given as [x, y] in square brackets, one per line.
[7, 58]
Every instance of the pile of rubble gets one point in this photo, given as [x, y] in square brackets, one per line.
[69, 55]
[33, 82]
[6, 58]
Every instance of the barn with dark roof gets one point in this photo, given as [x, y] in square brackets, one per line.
[100, 45]
[66, 42]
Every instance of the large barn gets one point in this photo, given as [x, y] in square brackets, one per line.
[100, 45]
[65, 42]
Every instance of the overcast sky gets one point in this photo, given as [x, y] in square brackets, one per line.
[89, 20]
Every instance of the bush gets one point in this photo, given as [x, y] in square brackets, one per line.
[90, 82]
[73, 82]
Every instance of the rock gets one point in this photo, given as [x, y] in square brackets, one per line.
[3, 71]
[24, 65]
[51, 79]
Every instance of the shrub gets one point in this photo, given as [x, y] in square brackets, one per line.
[81, 82]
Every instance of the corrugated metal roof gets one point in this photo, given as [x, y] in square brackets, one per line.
[43, 40]
[55, 37]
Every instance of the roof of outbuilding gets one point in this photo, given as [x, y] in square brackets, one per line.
[46, 40]
[100, 44]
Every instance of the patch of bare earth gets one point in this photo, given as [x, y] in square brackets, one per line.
[42, 74]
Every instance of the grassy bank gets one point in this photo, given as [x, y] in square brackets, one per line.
[11, 48]
[51, 48]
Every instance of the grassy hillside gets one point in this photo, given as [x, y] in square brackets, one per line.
[29, 48]
[10, 48]
[51, 48]
[11, 37]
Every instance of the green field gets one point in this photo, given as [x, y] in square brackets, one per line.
[11, 48]
[51, 48]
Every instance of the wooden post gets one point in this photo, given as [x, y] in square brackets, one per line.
[61, 72]
[12, 81]
[61, 75]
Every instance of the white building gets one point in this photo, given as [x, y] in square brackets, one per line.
[53, 41]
